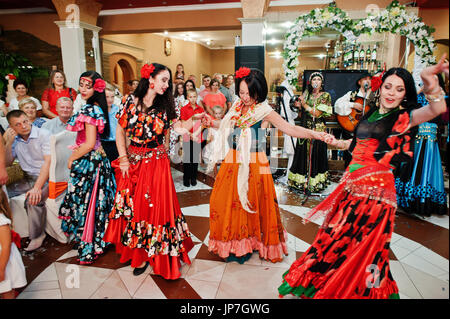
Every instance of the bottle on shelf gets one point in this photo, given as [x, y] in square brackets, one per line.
[368, 55]
[355, 55]
[362, 57]
[374, 53]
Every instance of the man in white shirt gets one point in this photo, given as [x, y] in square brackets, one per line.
[31, 146]
[64, 107]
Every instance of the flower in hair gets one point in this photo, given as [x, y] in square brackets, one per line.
[146, 70]
[99, 85]
[242, 72]
[376, 82]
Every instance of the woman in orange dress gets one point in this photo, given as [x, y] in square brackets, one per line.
[244, 213]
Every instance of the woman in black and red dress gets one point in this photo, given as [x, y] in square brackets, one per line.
[146, 223]
[349, 257]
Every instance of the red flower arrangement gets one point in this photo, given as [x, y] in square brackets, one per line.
[99, 85]
[242, 72]
[146, 70]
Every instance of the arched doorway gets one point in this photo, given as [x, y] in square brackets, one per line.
[123, 68]
[122, 74]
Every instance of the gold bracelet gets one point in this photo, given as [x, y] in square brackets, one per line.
[435, 97]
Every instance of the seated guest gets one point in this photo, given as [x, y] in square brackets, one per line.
[31, 146]
[64, 107]
[28, 105]
[21, 89]
[56, 89]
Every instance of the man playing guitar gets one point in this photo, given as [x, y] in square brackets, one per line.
[350, 108]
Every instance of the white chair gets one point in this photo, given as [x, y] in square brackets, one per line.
[59, 175]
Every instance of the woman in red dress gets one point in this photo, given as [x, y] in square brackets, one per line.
[146, 223]
[56, 88]
[349, 257]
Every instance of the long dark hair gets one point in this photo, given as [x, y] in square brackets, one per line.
[162, 102]
[410, 99]
[98, 99]
[184, 87]
[257, 85]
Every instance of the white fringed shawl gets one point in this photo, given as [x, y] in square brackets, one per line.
[244, 122]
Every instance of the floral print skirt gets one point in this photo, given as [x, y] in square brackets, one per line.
[87, 204]
[146, 223]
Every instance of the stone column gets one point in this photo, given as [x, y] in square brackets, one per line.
[76, 17]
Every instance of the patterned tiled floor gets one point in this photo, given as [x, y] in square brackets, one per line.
[419, 260]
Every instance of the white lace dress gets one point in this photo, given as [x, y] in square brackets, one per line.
[15, 271]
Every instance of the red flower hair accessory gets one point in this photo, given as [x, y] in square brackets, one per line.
[376, 82]
[146, 70]
[99, 85]
[242, 72]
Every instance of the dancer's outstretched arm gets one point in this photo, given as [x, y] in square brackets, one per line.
[296, 131]
[433, 92]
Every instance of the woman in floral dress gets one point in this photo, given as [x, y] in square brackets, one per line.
[91, 188]
[146, 223]
[349, 257]
[316, 105]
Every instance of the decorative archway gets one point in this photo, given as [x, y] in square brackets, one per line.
[394, 19]
[122, 69]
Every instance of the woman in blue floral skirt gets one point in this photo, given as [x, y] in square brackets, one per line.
[91, 188]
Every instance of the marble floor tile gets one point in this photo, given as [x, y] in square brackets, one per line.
[49, 274]
[69, 254]
[149, 290]
[429, 286]
[112, 288]
[250, 282]
[404, 283]
[78, 282]
[206, 289]
[432, 257]
[206, 270]
[41, 294]
[422, 265]
[132, 282]
[42, 285]
[399, 252]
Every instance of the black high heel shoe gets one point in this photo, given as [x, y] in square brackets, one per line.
[140, 271]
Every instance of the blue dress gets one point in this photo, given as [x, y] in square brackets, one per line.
[423, 192]
[90, 192]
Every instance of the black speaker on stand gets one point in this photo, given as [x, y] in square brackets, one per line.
[249, 56]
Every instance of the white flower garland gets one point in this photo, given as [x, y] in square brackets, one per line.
[394, 19]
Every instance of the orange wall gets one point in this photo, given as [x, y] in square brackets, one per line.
[439, 19]
[195, 58]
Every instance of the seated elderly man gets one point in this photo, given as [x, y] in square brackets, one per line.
[64, 107]
[31, 146]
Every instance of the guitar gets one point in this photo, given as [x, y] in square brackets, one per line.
[349, 122]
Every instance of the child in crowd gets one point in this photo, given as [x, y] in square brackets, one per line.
[109, 143]
[218, 113]
[12, 271]
[192, 143]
